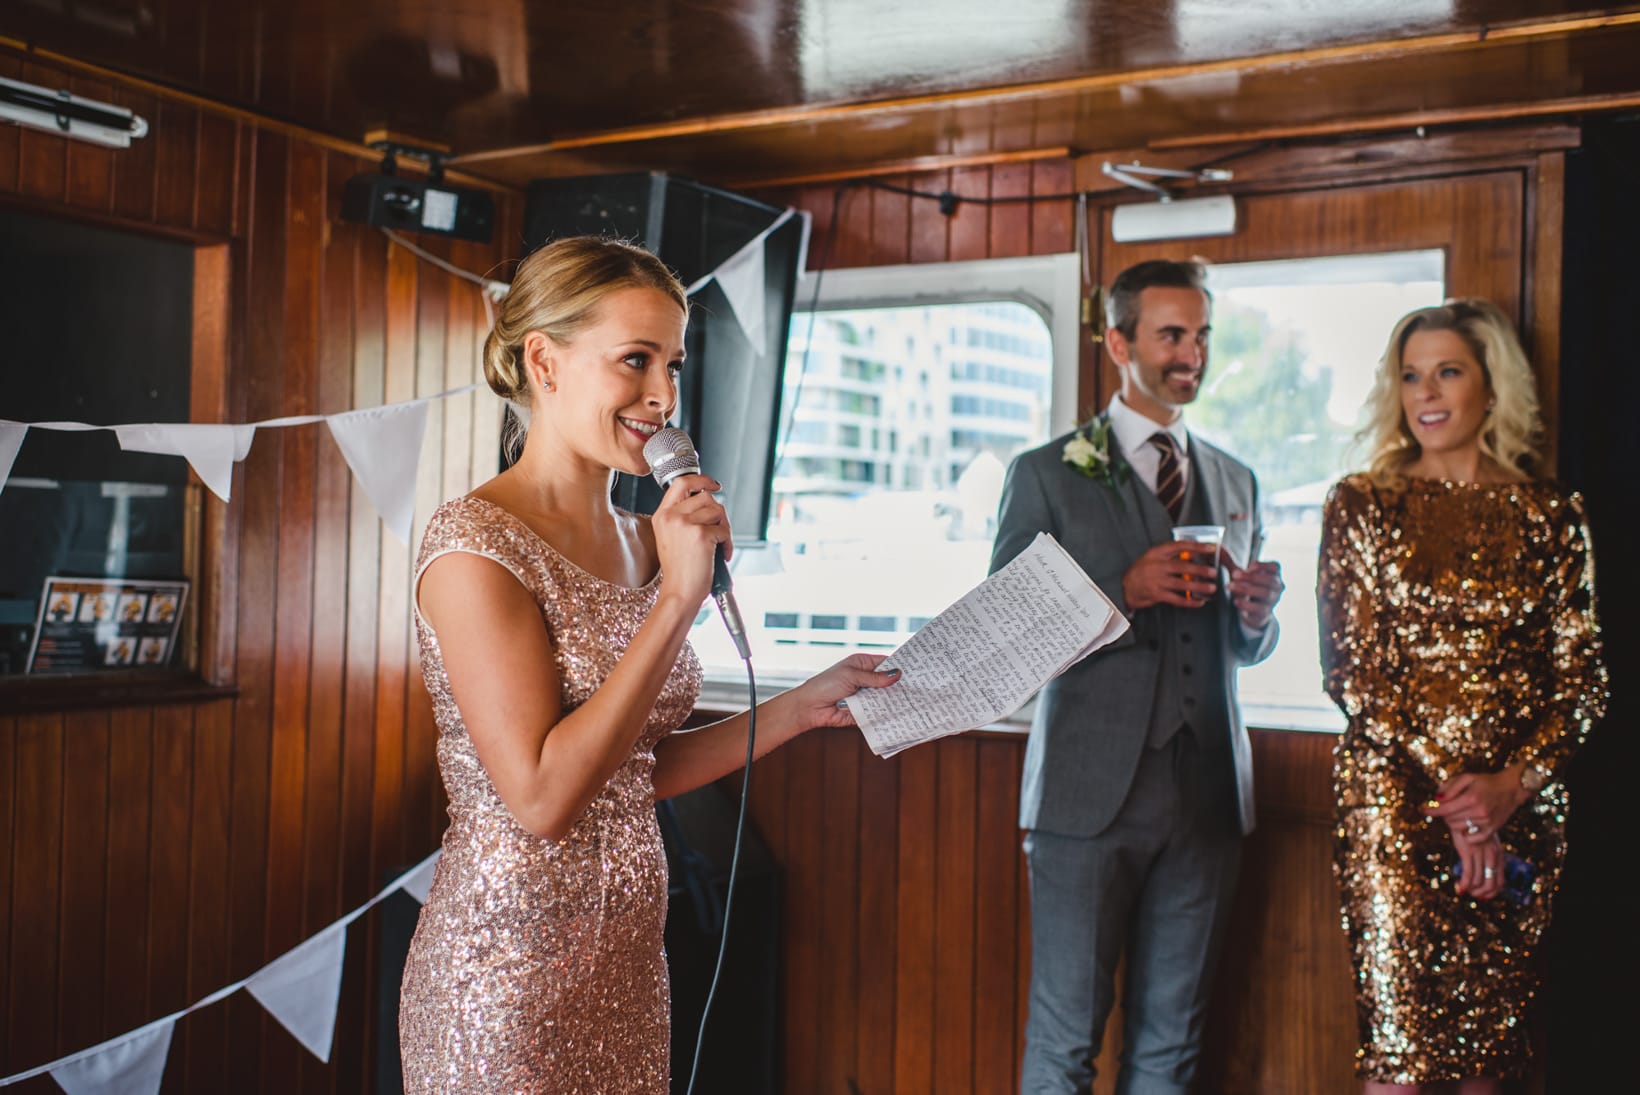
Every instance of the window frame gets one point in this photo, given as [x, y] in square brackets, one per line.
[1050, 285]
[207, 668]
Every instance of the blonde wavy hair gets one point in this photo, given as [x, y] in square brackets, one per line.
[557, 291]
[1513, 426]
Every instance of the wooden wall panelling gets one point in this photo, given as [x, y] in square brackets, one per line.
[968, 231]
[422, 793]
[208, 951]
[1009, 230]
[169, 848]
[997, 870]
[955, 943]
[804, 888]
[297, 618]
[365, 820]
[916, 896]
[878, 959]
[1545, 219]
[261, 383]
[890, 224]
[1052, 219]
[199, 840]
[323, 825]
[393, 646]
[930, 229]
[127, 915]
[1283, 1015]
[136, 182]
[42, 157]
[89, 167]
[839, 900]
[80, 978]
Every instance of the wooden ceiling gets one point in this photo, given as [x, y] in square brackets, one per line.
[744, 92]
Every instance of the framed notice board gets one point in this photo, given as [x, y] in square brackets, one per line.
[91, 624]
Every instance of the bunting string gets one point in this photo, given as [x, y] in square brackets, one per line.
[380, 442]
[300, 988]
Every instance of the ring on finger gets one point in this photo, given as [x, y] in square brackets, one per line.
[1487, 873]
[1470, 827]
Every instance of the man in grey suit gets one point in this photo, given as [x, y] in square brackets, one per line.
[1138, 772]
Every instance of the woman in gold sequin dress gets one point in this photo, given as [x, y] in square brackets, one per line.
[552, 630]
[1459, 638]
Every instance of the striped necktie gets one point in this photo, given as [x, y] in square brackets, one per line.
[1169, 475]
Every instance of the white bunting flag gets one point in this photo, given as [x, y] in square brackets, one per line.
[132, 1065]
[11, 439]
[383, 447]
[210, 450]
[300, 988]
[419, 879]
[741, 279]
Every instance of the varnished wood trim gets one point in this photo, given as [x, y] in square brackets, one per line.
[214, 601]
[1581, 104]
[74, 693]
[272, 125]
[1546, 216]
[817, 113]
[903, 167]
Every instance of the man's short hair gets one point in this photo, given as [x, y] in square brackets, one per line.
[1122, 303]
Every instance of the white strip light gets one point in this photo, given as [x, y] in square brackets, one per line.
[69, 115]
[1182, 218]
[1169, 218]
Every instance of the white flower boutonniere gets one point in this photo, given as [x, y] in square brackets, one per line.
[1088, 451]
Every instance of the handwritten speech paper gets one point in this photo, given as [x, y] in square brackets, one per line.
[988, 653]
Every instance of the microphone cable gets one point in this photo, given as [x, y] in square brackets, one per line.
[734, 868]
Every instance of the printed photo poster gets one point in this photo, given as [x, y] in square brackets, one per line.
[89, 624]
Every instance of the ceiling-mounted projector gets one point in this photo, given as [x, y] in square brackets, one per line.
[414, 205]
[387, 199]
[1180, 218]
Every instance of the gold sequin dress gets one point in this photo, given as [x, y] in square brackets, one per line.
[1458, 634]
[537, 966]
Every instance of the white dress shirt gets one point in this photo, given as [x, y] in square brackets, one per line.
[1133, 432]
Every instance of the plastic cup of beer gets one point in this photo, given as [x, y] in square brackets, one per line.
[1199, 534]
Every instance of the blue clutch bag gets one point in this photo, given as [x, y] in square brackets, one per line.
[1518, 876]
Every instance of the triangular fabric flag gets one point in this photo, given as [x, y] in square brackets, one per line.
[11, 439]
[300, 988]
[132, 1065]
[383, 447]
[741, 279]
[418, 881]
[209, 449]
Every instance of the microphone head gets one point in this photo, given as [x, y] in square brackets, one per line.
[670, 454]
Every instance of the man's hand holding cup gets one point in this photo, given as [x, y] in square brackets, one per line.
[1183, 572]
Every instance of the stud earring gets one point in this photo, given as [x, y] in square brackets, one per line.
[546, 385]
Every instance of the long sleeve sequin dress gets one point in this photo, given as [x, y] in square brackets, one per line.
[537, 965]
[1458, 634]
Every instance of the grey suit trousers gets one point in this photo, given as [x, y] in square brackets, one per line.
[1158, 882]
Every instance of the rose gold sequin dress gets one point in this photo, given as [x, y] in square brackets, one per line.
[1458, 635]
[538, 966]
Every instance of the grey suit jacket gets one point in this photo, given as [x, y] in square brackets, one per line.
[1089, 728]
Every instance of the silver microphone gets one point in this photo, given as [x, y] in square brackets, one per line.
[670, 454]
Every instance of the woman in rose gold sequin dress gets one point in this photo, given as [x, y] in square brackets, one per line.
[552, 630]
[1459, 637]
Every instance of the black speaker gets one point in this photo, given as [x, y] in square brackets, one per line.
[730, 393]
[741, 1048]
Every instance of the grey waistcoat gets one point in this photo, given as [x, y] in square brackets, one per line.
[1190, 681]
